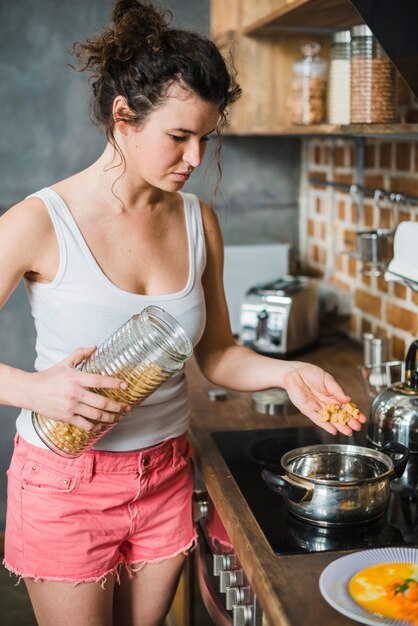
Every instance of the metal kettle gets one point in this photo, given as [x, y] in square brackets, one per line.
[394, 417]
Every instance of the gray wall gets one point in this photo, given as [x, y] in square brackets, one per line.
[46, 135]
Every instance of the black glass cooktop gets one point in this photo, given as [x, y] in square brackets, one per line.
[246, 453]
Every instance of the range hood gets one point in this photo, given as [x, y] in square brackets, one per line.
[394, 23]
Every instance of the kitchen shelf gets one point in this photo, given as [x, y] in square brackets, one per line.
[350, 130]
[265, 39]
[305, 16]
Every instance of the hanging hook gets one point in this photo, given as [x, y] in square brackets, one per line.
[354, 192]
[379, 195]
[397, 199]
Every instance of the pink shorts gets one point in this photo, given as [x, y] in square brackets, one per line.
[77, 520]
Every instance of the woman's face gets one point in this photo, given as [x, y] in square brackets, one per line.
[172, 141]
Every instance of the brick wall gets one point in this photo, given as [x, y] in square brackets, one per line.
[330, 218]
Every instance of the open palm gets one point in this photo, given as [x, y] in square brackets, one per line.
[310, 389]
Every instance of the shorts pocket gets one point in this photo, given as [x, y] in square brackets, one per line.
[39, 478]
[182, 452]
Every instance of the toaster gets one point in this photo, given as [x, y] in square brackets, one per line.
[281, 317]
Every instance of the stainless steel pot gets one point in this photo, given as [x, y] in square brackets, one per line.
[332, 485]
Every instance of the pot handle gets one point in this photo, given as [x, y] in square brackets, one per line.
[399, 465]
[285, 486]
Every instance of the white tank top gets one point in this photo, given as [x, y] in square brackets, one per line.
[81, 307]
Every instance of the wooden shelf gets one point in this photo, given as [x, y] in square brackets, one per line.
[350, 130]
[306, 16]
[265, 39]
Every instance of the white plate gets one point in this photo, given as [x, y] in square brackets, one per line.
[333, 582]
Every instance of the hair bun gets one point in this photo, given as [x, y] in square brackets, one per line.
[136, 25]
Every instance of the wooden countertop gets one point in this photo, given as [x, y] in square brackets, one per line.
[286, 586]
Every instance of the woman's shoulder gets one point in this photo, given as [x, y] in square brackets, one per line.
[31, 211]
[209, 218]
[26, 231]
[27, 224]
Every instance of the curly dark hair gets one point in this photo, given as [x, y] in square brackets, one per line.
[139, 56]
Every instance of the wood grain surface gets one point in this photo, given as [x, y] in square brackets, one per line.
[286, 586]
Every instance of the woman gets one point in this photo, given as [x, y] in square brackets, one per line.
[101, 539]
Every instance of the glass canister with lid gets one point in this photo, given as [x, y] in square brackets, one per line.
[339, 82]
[373, 80]
[309, 86]
[146, 351]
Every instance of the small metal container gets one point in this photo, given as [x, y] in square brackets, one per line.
[333, 485]
[273, 402]
[375, 249]
[367, 348]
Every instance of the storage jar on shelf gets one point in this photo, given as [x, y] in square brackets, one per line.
[373, 80]
[146, 351]
[309, 86]
[339, 82]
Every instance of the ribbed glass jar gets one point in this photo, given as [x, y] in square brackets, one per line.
[373, 80]
[146, 351]
[339, 78]
[309, 86]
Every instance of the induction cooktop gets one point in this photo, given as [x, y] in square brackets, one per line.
[248, 452]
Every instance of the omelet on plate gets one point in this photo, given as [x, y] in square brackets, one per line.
[384, 589]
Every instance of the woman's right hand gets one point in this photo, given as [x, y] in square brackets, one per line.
[62, 392]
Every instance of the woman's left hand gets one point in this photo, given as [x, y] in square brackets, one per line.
[310, 389]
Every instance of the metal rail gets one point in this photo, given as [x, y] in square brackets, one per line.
[376, 194]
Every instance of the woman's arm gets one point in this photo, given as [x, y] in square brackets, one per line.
[28, 247]
[230, 365]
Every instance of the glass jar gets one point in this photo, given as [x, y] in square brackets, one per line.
[339, 78]
[146, 351]
[373, 80]
[309, 85]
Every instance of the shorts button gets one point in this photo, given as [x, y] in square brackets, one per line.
[146, 460]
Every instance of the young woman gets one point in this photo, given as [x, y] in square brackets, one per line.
[101, 539]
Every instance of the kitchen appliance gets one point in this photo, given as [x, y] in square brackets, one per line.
[336, 485]
[224, 587]
[248, 452]
[247, 265]
[281, 317]
[404, 265]
[394, 417]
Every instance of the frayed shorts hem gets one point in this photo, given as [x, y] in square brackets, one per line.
[131, 567]
[136, 565]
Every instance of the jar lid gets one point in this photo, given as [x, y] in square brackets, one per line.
[273, 402]
[216, 394]
[342, 36]
[361, 31]
[310, 64]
